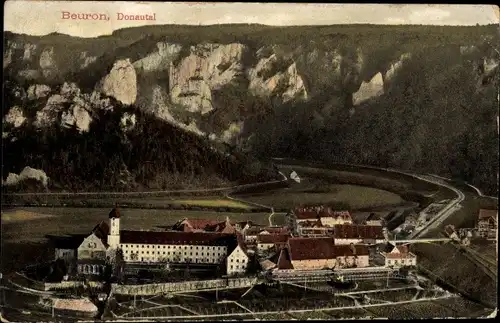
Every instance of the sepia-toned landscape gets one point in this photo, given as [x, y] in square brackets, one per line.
[265, 171]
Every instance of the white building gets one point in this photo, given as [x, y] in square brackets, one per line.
[210, 248]
[237, 261]
[399, 256]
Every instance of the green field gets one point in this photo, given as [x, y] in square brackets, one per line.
[82, 220]
[357, 197]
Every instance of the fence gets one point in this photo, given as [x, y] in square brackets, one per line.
[152, 289]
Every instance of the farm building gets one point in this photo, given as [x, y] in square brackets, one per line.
[326, 215]
[369, 234]
[487, 223]
[313, 228]
[251, 233]
[399, 256]
[271, 241]
[320, 253]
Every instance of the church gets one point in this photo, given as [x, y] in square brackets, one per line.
[106, 242]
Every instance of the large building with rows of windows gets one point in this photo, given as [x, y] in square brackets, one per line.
[209, 248]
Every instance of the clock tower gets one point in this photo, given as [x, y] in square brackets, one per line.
[114, 228]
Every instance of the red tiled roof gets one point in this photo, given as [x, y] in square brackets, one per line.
[272, 238]
[353, 231]
[177, 238]
[241, 242]
[309, 224]
[348, 250]
[320, 212]
[399, 255]
[306, 215]
[276, 230]
[101, 231]
[284, 260]
[485, 214]
[200, 224]
[311, 248]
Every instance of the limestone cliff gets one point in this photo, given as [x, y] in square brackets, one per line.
[368, 90]
[121, 82]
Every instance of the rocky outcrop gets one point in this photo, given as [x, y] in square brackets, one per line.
[233, 131]
[78, 117]
[29, 51]
[206, 68]
[15, 117]
[289, 81]
[26, 173]
[395, 67]
[86, 60]
[47, 60]
[37, 91]
[127, 121]
[489, 64]
[121, 82]
[159, 60]
[368, 90]
[49, 114]
[70, 90]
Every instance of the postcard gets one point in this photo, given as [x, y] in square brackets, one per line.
[249, 161]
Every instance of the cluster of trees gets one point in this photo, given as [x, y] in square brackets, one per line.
[153, 155]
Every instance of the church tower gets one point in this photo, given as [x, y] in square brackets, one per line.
[114, 229]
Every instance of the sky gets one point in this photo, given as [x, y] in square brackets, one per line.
[38, 17]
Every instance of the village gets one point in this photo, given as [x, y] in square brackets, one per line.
[318, 248]
[316, 238]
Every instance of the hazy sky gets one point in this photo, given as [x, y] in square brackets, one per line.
[43, 17]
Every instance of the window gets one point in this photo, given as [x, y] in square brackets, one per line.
[192, 247]
[196, 247]
[237, 260]
[231, 261]
[231, 266]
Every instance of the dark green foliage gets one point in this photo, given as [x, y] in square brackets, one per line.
[156, 154]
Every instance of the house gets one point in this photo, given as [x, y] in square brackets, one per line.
[66, 248]
[399, 256]
[374, 219]
[194, 225]
[268, 241]
[487, 223]
[321, 253]
[252, 233]
[91, 253]
[450, 232]
[237, 260]
[313, 228]
[326, 214]
[355, 234]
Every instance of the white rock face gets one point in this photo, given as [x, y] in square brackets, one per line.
[368, 90]
[7, 57]
[86, 60]
[27, 173]
[395, 67]
[15, 117]
[233, 131]
[29, 74]
[76, 116]
[127, 122]
[49, 114]
[29, 51]
[159, 60]
[208, 67]
[37, 91]
[489, 64]
[69, 90]
[289, 80]
[47, 60]
[121, 82]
